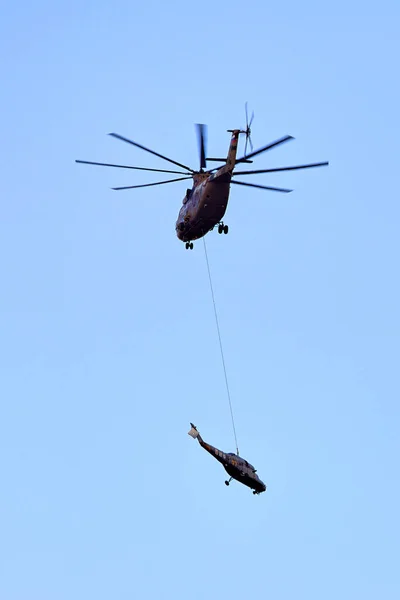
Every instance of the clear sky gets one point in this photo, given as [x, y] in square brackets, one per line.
[108, 343]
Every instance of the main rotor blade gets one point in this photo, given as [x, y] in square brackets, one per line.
[120, 137]
[131, 187]
[223, 160]
[268, 147]
[87, 162]
[202, 142]
[262, 187]
[322, 164]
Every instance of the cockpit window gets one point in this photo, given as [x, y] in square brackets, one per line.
[187, 196]
[243, 460]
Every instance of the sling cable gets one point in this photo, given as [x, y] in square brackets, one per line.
[220, 346]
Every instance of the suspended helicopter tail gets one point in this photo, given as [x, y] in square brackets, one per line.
[194, 433]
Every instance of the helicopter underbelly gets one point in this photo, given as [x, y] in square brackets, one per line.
[251, 482]
[214, 201]
[205, 211]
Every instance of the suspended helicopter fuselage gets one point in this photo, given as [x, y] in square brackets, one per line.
[237, 467]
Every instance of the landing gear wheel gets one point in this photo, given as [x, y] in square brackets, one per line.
[226, 229]
[220, 228]
[187, 245]
[191, 245]
[254, 492]
[226, 482]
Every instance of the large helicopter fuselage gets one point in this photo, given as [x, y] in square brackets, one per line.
[203, 207]
[205, 204]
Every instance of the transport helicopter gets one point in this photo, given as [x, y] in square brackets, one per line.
[238, 468]
[205, 203]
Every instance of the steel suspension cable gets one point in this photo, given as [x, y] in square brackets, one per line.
[220, 345]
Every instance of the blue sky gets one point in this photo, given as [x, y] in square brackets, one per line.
[108, 344]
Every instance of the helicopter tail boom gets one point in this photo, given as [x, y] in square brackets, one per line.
[231, 158]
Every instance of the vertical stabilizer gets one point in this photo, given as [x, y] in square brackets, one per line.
[193, 432]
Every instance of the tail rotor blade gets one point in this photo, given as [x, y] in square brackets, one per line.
[251, 120]
[248, 131]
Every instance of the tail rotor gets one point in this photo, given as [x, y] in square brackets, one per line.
[248, 130]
